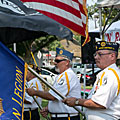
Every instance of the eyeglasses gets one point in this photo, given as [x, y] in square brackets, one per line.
[58, 60]
[100, 54]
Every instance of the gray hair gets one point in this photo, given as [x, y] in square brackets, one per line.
[116, 53]
[70, 62]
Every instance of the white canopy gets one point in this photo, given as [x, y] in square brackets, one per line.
[113, 32]
[108, 3]
[114, 26]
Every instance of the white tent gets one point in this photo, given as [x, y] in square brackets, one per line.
[114, 26]
[108, 3]
[112, 34]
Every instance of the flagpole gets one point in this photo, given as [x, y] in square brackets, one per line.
[100, 22]
[51, 87]
[14, 47]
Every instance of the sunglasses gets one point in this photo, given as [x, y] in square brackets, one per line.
[58, 60]
[100, 54]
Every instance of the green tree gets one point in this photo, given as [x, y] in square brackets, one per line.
[52, 46]
[78, 38]
[105, 12]
[24, 48]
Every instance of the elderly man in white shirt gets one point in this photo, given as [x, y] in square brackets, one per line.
[104, 101]
[66, 83]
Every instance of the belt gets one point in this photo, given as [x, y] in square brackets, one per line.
[64, 114]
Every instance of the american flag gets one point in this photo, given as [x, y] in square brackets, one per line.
[70, 13]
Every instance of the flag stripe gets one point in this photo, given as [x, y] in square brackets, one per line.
[73, 4]
[72, 8]
[68, 23]
[68, 12]
[57, 11]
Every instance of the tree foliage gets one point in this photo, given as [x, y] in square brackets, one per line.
[78, 38]
[105, 12]
[23, 49]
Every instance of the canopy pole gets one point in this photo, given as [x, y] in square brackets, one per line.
[103, 31]
[51, 87]
[100, 22]
[85, 66]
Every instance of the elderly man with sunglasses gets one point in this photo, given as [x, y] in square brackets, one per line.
[67, 84]
[103, 102]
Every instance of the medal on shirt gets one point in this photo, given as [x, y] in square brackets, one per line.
[104, 81]
[61, 82]
[96, 87]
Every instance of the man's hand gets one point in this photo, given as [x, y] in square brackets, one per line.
[44, 112]
[30, 91]
[69, 101]
[82, 102]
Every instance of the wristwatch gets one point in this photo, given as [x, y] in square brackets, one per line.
[77, 102]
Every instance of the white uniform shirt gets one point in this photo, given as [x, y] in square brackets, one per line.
[71, 88]
[34, 83]
[106, 95]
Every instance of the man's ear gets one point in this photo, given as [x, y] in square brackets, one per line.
[67, 63]
[113, 55]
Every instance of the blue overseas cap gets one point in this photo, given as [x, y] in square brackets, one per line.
[103, 45]
[64, 53]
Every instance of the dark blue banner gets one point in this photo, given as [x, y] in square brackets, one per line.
[12, 85]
